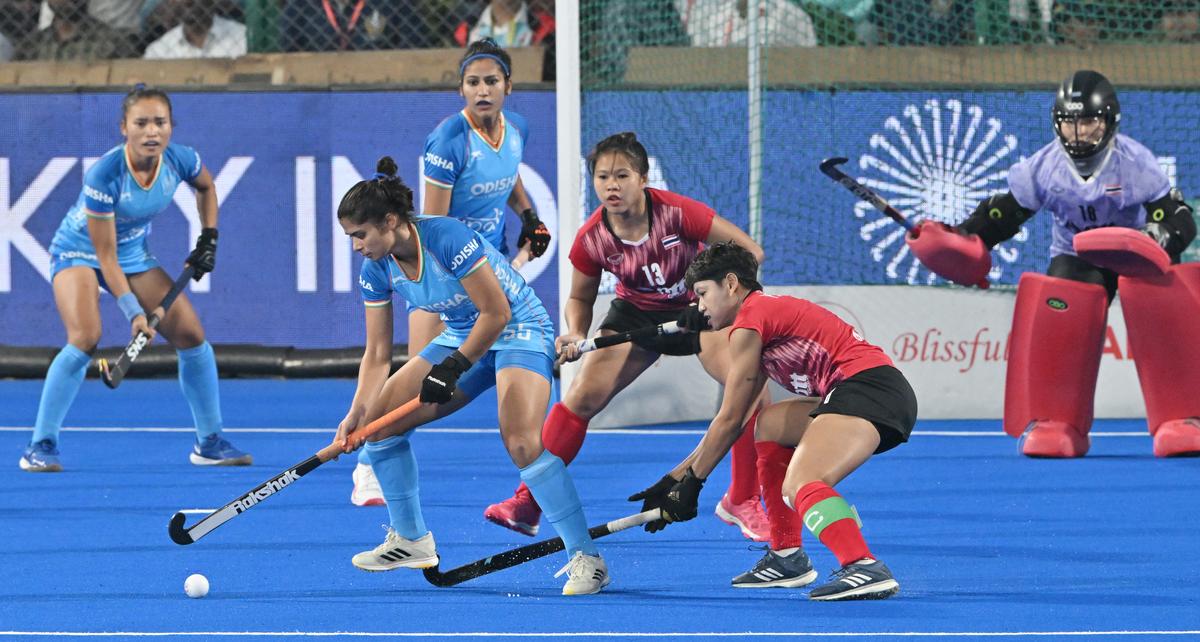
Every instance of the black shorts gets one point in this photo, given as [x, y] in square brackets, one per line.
[882, 396]
[624, 316]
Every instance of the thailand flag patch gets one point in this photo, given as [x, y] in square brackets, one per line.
[1112, 188]
[669, 241]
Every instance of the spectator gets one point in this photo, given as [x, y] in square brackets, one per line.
[718, 23]
[200, 34]
[1005, 22]
[1180, 21]
[122, 15]
[1078, 23]
[611, 27]
[511, 23]
[926, 22]
[20, 18]
[74, 35]
[353, 25]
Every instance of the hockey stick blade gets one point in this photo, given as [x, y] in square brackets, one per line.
[829, 167]
[187, 535]
[529, 552]
[113, 374]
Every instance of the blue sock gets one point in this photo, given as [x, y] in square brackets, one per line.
[554, 491]
[58, 393]
[396, 469]
[198, 378]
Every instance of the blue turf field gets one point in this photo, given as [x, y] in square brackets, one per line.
[982, 540]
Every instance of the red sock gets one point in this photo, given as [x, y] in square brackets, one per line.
[562, 434]
[829, 517]
[743, 465]
[773, 460]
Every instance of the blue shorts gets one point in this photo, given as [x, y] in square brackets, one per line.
[482, 375]
[134, 257]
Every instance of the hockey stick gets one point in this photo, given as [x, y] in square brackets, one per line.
[248, 500]
[113, 375]
[647, 332]
[530, 552]
[830, 169]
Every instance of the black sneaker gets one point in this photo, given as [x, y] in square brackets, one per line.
[776, 570]
[865, 579]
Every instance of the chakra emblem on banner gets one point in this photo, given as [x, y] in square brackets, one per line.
[936, 161]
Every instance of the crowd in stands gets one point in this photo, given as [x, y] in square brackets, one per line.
[158, 29]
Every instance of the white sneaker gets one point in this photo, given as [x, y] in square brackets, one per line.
[586, 574]
[366, 487]
[395, 552]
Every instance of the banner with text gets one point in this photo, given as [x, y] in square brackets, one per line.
[286, 274]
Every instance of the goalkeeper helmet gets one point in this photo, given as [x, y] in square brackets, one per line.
[1085, 116]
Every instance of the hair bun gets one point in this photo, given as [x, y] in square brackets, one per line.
[386, 166]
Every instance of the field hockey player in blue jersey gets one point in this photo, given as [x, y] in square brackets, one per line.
[470, 168]
[104, 243]
[497, 334]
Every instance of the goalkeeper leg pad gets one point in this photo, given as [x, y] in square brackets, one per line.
[1054, 358]
[1160, 315]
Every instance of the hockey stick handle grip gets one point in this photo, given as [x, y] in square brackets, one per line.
[597, 343]
[356, 438]
[176, 287]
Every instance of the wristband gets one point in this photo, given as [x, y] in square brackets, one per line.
[130, 306]
[460, 360]
[528, 216]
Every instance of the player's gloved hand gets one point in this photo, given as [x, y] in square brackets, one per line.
[204, 257]
[691, 319]
[652, 498]
[951, 254]
[682, 499]
[1159, 233]
[534, 231]
[438, 386]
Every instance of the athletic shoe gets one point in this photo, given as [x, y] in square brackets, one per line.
[1054, 440]
[586, 574]
[519, 513]
[866, 579]
[748, 516]
[396, 552]
[1179, 438]
[366, 487]
[215, 450]
[41, 457]
[775, 570]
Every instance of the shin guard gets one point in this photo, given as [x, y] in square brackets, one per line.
[1160, 316]
[1054, 359]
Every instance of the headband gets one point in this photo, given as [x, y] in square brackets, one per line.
[462, 70]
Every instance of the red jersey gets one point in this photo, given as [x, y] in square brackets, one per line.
[806, 348]
[649, 271]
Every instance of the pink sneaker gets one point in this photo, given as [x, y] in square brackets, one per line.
[519, 513]
[1054, 440]
[748, 516]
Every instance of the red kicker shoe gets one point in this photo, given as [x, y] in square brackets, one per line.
[519, 513]
[1179, 438]
[748, 516]
[1054, 440]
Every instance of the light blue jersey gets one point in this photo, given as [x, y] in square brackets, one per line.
[111, 192]
[1113, 197]
[480, 177]
[449, 252]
